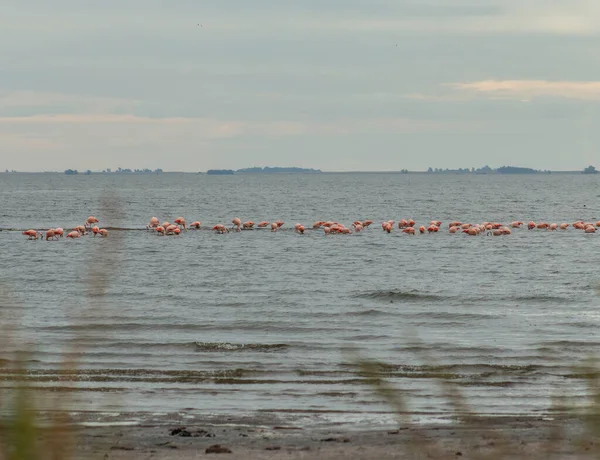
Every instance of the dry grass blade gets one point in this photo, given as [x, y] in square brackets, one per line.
[22, 435]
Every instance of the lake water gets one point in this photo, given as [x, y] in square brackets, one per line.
[257, 322]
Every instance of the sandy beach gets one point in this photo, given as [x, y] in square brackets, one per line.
[527, 438]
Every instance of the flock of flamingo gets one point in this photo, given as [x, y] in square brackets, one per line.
[407, 226]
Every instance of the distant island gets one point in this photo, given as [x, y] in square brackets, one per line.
[265, 170]
[219, 172]
[487, 170]
[70, 172]
[271, 170]
[295, 170]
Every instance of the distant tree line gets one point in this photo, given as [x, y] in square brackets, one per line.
[502, 170]
[118, 171]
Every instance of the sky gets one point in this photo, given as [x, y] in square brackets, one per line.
[339, 85]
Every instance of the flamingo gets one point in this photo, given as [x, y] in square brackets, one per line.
[95, 230]
[59, 232]
[248, 225]
[103, 232]
[160, 230]
[220, 228]
[180, 221]
[31, 234]
[154, 222]
[409, 230]
[50, 234]
[236, 223]
[564, 226]
[170, 230]
[366, 223]
[90, 221]
[73, 234]
[195, 224]
[590, 229]
[274, 226]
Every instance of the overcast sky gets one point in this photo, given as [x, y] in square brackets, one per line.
[189, 85]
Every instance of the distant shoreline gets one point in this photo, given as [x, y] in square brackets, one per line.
[444, 173]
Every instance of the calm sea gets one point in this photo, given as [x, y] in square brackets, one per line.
[255, 321]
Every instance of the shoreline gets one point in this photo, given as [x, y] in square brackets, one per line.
[248, 439]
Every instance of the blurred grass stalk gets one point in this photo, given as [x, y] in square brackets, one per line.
[24, 433]
[575, 427]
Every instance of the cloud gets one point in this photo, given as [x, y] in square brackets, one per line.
[526, 89]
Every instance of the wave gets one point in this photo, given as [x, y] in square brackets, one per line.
[397, 295]
[370, 312]
[228, 346]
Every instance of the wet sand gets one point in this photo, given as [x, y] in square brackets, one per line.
[514, 438]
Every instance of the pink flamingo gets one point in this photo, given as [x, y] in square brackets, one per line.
[516, 224]
[91, 221]
[31, 234]
[274, 226]
[170, 230]
[409, 230]
[590, 229]
[236, 223]
[160, 230]
[103, 232]
[59, 232]
[366, 223]
[95, 230]
[50, 234]
[195, 224]
[263, 224]
[220, 228]
[154, 222]
[248, 225]
[180, 221]
[73, 234]
[564, 226]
